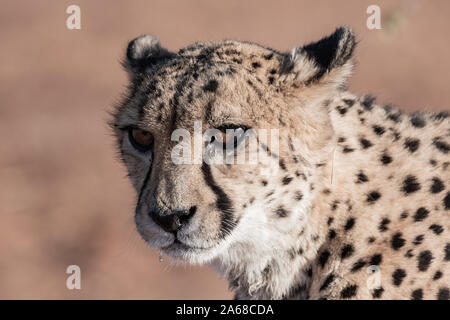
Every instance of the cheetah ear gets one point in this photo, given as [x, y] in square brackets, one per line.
[143, 53]
[325, 61]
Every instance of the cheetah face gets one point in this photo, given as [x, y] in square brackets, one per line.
[197, 210]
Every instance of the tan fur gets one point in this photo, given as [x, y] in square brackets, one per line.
[280, 225]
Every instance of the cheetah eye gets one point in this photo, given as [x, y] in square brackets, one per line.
[141, 140]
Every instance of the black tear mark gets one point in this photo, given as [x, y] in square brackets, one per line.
[327, 282]
[223, 202]
[323, 258]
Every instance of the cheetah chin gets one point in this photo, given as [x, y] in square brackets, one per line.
[351, 201]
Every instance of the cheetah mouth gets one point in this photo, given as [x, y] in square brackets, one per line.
[179, 250]
[178, 245]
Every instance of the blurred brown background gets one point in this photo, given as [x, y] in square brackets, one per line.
[64, 198]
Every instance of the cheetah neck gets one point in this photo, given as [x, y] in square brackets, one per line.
[280, 266]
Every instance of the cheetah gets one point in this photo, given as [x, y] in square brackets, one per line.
[358, 208]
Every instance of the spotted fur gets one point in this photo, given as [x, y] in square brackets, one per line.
[359, 187]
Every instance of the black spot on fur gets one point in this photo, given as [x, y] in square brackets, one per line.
[418, 240]
[437, 185]
[349, 224]
[379, 130]
[373, 197]
[447, 201]
[349, 291]
[361, 177]
[371, 240]
[441, 115]
[437, 229]
[331, 234]
[298, 195]
[256, 65]
[281, 212]
[330, 221]
[398, 276]
[323, 258]
[404, 215]
[384, 225]
[397, 241]
[365, 143]
[377, 293]
[437, 275]
[412, 144]
[409, 254]
[386, 159]
[441, 145]
[443, 294]
[282, 165]
[334, 205]
[417, 294]
[237, 60]
[211, 86]
[358, 265]
[417, 120]
[286, 180]
[347, 251]
[395, 117]
[347, 149]
[341, 110]
[328, 280]
[376, 259]
[349, 102]
[447, 252]
[268, 56]
[264, 182]
[421, 214]
[396, 135]
[410, 185]
[368, 102]
[387, 108]
[424, 260]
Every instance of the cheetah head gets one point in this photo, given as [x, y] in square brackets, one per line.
[198, 210]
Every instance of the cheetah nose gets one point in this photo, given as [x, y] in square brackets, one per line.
[172, 221]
